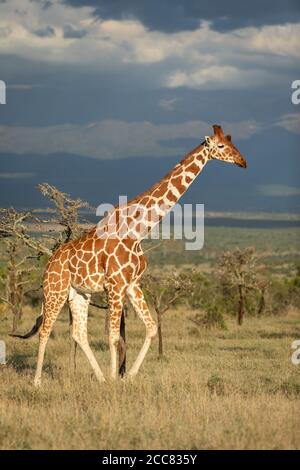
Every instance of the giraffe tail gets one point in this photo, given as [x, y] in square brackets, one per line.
[33, 330]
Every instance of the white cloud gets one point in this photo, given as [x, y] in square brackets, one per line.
[278, 190]
[202, 58]
[276, 39]
[23, 86]
[113, 139]
[16, 175]
[290, 122]
[214, 76]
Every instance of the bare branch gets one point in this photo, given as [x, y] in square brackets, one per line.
[2, 299]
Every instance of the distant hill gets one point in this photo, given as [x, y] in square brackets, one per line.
[269, 184]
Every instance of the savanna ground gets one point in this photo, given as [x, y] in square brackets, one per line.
[214, 389]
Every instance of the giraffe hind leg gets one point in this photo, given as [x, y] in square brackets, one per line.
[116, 297]
[138, 302]
[51, 309]
[73, 344]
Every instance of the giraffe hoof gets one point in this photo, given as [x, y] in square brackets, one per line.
[101, 380]
[131, 376]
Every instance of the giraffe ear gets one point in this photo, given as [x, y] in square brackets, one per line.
[207, 139]
[228, 137]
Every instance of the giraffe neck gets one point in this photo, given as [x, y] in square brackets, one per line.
[161, 197]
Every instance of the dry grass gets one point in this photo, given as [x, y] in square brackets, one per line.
[234, 389]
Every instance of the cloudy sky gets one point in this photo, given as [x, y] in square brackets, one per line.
[130, 78]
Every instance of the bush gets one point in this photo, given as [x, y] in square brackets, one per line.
[281, 294]
[212, 318]
[216, 385]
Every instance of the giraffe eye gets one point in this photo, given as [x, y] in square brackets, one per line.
[220, 146]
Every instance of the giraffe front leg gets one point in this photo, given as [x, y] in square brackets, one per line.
[138, 302]
[116, 297]
[79, 305]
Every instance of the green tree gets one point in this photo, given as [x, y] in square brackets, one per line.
[240, 274]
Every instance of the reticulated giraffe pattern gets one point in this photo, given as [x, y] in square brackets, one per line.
[110, 257]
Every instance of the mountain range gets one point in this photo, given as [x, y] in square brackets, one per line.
[270, 183]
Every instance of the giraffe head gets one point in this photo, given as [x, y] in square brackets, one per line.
[221, 147]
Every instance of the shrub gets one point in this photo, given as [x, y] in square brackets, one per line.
[216, 385]
[212, 318]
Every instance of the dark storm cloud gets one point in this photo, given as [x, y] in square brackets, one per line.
[71, 32]
[76, 94]
[177, 15]
[46, 32]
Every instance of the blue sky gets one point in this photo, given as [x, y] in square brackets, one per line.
[118, 79]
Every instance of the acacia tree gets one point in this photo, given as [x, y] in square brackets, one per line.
[14, 223]
[15, 229]
[20, 250]
[164, 291]
[67, 212]
[239, 271]
[17, 280]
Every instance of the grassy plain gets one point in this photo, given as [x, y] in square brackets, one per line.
[227, 389]
[234, 389]
[278, 248]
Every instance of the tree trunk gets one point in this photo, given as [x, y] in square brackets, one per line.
[262, 303]
[122, 344]
[16, 319]
[241, 306]
[159, 331]
[15, 295]
[106, 327]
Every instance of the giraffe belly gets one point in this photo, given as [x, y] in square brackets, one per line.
[89, 284]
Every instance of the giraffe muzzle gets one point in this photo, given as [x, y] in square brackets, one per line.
[242, 163]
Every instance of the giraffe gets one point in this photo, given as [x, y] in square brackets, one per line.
[110, 257]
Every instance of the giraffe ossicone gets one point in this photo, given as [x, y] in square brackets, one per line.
[110, 257]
